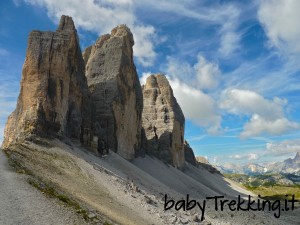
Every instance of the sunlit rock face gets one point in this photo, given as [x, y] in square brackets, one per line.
[54, 98]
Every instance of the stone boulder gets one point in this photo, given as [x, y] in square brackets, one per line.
[116, 93]
[163, 121]
[54, 97]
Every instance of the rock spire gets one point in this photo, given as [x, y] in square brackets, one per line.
[54, 95]
[163, 121]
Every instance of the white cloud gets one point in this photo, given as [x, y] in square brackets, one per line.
[103, 15]
[179, 69]
[252, 156]
[207, 73]
[144, 47]
[267, 116]
[230, 38]
[284, 147]
[238, 157]
[202, 75]
[229, 43]
[280, 19]
[248, 102]
[249, 156]
[259, 125]
[197, 106]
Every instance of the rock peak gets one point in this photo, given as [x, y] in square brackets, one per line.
[66, 24]
[163, 121]
[54, 93]
[151, 81]
[116, 93]
[122, 31]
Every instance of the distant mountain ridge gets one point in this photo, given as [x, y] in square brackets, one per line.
[288, 166]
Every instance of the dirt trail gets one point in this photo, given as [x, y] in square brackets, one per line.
[22, 204]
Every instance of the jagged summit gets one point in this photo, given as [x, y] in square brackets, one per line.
[95, 97]
[66, 24]
[123, 31]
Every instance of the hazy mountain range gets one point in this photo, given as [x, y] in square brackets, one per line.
[288, 166]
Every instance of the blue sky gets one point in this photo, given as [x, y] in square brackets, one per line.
[234, 65]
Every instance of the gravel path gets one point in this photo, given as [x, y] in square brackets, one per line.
[22, 204]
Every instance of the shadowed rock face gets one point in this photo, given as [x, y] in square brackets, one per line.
[116, 92]
[54, 94]
[163, 121]
[189, 154]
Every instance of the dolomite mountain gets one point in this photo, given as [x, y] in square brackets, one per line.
[96, 97]
[163, 121]
[116, 92]
[189, 154]
[54, 96]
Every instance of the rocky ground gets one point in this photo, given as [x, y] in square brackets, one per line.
[20, 203]
[122, 192]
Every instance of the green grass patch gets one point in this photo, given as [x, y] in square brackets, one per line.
[52, 193]
[106, 223]
[15, 164]
[42, 142]
[276, 192]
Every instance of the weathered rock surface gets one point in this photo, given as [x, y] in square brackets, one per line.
[54, 94]
[198, 161]
[116, 93]
[203, 162]
[189, 154]
[163, 121]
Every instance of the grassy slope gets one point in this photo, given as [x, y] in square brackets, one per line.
[268, 190]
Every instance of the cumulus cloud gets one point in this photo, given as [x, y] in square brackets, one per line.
[197, 106]
[284, 147]
[101, 16]
[248, 102]
[267, 116]
[280, 19]
[207, 73]
[259, 125]
[203, 74]
[249, 156]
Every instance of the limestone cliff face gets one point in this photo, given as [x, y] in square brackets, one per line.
[189, 154]
[116, 92]
[54, 94]
[163, 121]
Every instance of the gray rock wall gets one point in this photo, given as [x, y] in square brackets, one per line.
[116, 92]
[163, 121]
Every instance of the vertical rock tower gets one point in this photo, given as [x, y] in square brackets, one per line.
[116, 93]
[163, 121]
[54, 93]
